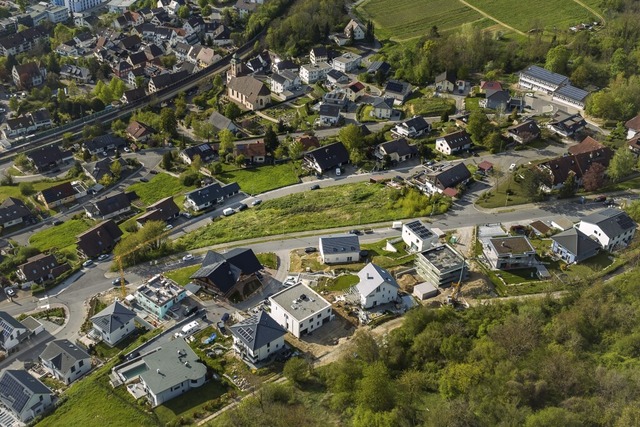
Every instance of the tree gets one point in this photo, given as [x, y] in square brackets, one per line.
[167, 161]
[168, 122]
[14, 104]
[196, 163]
[569, 187]
[184, 12]
[116, 169]
[240, 159]
[232, 111]
[26, 188]
[493, 141]
[21, 161]
[295, 150]
[375, 391]
[216, 168]
[621, 164]
[271, 141]
[351, 137]
[479, 127]
[593, 179]
[226, 141]
[444, 117]
[557, 59]
[532, 182]
[118, 127]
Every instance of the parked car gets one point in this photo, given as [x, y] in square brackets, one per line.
[310, 250]
[189, 310]
[186, 215]
[168, 227]
[144, 180]
[512, 167]
[242, 206]
[87, 263]
[116, 282]
[315, 187]
[153, 172]
[10, 292]
[256, 202]
[103, 257]
[228, 211]
[600, 199]
[57, 222]
[187, 257]
[356, 232]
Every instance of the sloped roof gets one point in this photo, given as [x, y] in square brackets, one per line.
[204, 150]
[613, 222]
[224, 270]
[110, 204]
[161, 210]
[58, 192]
[98, 239]
[634, 123]
[446, 76]
[221, 122]
[46, 155]
[418, 123]
[113, 317]
[585, 146]
[529, 126]
[39, 266]
[545, 75]
[17, 387]
[457, 139]
[330, 155]
[576, 242]
[250, 87]
[452, 176]
[12, 208]
[372, 276]
[399, 146]
[63, 354]
[212, 192]
[515, 245]
[340, 244]
[257, 331]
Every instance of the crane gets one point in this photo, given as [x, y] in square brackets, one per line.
[453, 298]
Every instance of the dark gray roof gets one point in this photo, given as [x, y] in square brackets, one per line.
[212, 192]
[58, 192]
[398, 87]
[500, 96]
[7, 324]
[12, 209]
[113, 317]
[221, 122]
[545, 75]
[17, 387]
[451, 177]
[613, 222]
[457, 139]
[134, 94]
[205, 151]
[329, 156]
[379, 66]
[329, 110]
[63, 354]
[385, 103]
[109, 205]
[417, 122]
[572, 92]
[258, 330]
[576, 242]
[224, 270]
[46, 156]
[336, 75]
[418, 228]
[400, 146]
[103, 141]
[99, 239]
[340, 243]
[529, 126]
[446, 76]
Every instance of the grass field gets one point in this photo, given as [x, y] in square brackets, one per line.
[429, 106]
[61, 236]
[404, 19]
[181, 275]
[14, 191]
[159, 187]
[338, 206]
[261, 179]
[268, 259]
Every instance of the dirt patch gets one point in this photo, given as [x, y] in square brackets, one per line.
[477, 285]
[407, 282]
[326, 339]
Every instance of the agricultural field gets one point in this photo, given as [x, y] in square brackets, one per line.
[403, 19]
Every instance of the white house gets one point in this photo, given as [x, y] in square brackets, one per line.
[158, 295]
[258, 337]
[611, 227]
[311, 73]
[280, 82]
[376, 286]
[454, 142]
[114, 323]
[417, 236]
[412, 128]
[12, 332]
[300, 310]
[65, 361]
[206, 197]
[340, 249]
[507, 253]
[25, 396]
[355, 29]
[347, 62]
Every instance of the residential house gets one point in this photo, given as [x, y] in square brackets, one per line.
[633, 127]
[164, 210]
[454, 143]
[104, 143]
[65, 361]
[329, 114]
[540, 228]
[446, 181]
[571, 96]
[159, 295]
[280, 66]
[48, 157]
[73, 72]
[253, 151]
[446, 82]
[382, 108]
[336, 97]
[28, 75]
[170, 371]
[41, 268]
[257, 337]
[496, 100]
[634, 145]
[398, 150]
[308, 142]
[206, 57]
[354, 91]
[221, 122]
[285, 81]
[355, 30]
[587, 145]
[347, 62]
[397, 90]
[611, 228]
[139, 132]
[114, 323]
[101, 168]
[13, 212]
[379, 67]
[376, 286]
[300, 310]
[441, 266]
[311, 73]
[249, 92]
[225, 273]
[133, 95]
[540, 79]
[61, 194]
[211, 195]
[335, 78]
[24, 395]
[41, 118]
[108, 207]
[77, 6]
[327, 157]
[417, 236]
[99, 239]
[164, 80]
[573, 246]
[339, 249]
[488, 87]
[562, 223]
[415, 127]
[260, 64]
[206, 151]
[507, 253]
[12, 332]
[22, 41]
[137, 77]
[245, 7]
[318, 54]
[525, 132]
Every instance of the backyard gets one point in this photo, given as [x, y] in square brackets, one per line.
[160, 186]
[261, 179]
[427, 105]
[61, 236]
[181, 275]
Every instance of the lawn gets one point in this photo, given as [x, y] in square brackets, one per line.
[499, 198]
[261, 179]
[338, 206]
[187, 404]
[60, 236]
[472, 103]
[14, 191]
[429, 106]
[158, 187]
[340, 283]
[181, 275]
[268, 259]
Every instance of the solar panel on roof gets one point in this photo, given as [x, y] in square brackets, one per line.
[572, 92]
[545, 75]
[11, 388]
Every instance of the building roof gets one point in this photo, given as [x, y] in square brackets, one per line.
[212, 192]
[250, 149]
[28, 69]
[99, 238]
[173, 364]
[113, 317]
[457, 139]
[224, 270]
[134, 94]
[399, 146]
[376, 66]
[446, 76]
[329, 156]
[585, 146]
[162, 210]
[337, 75]
[526, 127]
[613, 222]
[17, 387]
[417, 122]
[572, 92]
[58, 192]
[383, 103]
[514, 245]
[372, 276]
[453, 176]
[250, 87]
[540, 227]
[258, 330]
[443, 257]
[568, 123]
[319, 51]
[109, 205]
[31, 323]
[563, 223]
[8, 323]
[204, 150]
[418, 228]
[397, 87]
[545, 75]
[300, 301]
[38, 266]
[490, 85]
[139, 130]
[103, 141]
[576, 242]
[561, 167]
[329, 110]
[63, 354]
[221, 122]
[44, 156]
[308, 142]
[12, 209]
[485, 165]
[340, 244]
[634, 123]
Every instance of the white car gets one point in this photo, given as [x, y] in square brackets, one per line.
[103, 257]
[187, 257]
[127, 149]
[186, 215]
[168, 227]
[512, 167]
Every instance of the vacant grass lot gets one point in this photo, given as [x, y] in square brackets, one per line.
[339, 206]
[181, 275]
[14, 191]
[405, 19]
[60, 236]
[261, 179]
[429, 106]
[187, 404]
[158, 187]
[268, 259]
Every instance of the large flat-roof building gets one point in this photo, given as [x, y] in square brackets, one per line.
[158, 295]
[300, 310]
[506, 253]
[441, 265]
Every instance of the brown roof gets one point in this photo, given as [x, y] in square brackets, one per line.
[99, 239]
[634, 143]
[490, 86]
[251, 149]
[633, 123]
[139, 130]
[587, 145]
[161, 210]
[250, 87]
[578, 164]
[450, 192]
[512, 245]
[485, 165]
[28, 69]
[356, 87]
[40, 266]
[540, 227]
[308, 142]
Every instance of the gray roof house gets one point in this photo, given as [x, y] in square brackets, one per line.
[108, 207]
[339, 249]
[610, 227]
[206, 197]
[25, 396]
[12, 212]
[258, 337]
[225, 272]
[12, 332]
[114, 323]
[398, 150]
[65, 361]
[376, 286]
[221, 122]
[573, 245]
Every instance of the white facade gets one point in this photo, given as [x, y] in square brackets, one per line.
[300, 310]
[117, 335]
[311, 73]
[376, 286]
[258, 354]
[416, 238]
[76, 6]
[12, 331]
[347, 62]
[607, 242]
[341, 253]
